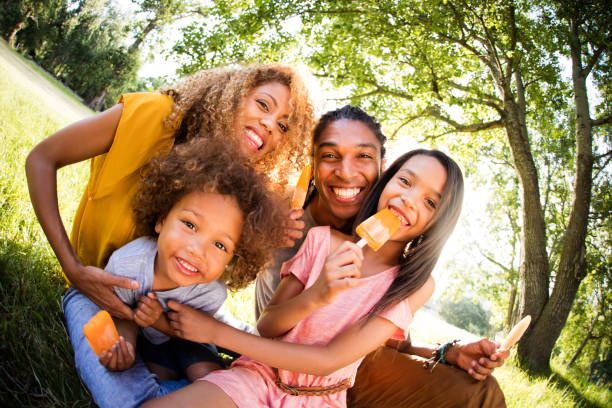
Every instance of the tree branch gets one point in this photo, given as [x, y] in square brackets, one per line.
[602, 121]
[471, 128]
[486, 96]
[407, 121]
[493, 261]
[593, 60]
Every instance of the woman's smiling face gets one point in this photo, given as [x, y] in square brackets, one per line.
[263, 120]
[413, 194]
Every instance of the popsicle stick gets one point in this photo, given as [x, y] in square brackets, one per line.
[361, 243]
[516, 333]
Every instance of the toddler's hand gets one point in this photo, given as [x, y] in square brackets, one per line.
[191, 324]
[120, 357]
[148, 310]
[341, 271]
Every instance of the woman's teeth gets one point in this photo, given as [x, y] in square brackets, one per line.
[346, 192]
[254, 138]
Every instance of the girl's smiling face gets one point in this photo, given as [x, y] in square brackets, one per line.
[196, 240]
[413, 194]
[263, 120]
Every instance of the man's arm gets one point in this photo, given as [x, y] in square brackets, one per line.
[478, 358]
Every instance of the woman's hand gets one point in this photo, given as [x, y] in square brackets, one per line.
[148, 310]
[478, 358]
[120, 357]
[191, 324]
[341, 271]
[293, 227]
[97, 285]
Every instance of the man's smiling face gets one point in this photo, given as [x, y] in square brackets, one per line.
[347, 163]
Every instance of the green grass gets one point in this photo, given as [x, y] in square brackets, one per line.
[36, 366]
[36, 362]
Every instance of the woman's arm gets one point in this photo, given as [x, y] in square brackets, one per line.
[346, 348]
[290, 303]
[77, 142]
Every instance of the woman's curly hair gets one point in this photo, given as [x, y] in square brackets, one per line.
[206, 105]
[201, 165]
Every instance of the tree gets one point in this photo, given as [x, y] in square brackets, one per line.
[471, 67]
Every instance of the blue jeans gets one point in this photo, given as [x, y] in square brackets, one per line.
[128, 388]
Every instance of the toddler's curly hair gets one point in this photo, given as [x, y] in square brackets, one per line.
[201, 165]
[206, 104]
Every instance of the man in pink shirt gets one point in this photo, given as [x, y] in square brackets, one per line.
[348, 157]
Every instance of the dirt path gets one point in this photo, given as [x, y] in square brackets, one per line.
[39, 84]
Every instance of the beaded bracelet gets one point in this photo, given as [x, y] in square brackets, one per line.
[439, 355]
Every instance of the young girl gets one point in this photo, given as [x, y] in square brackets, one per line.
[209, 215]
[336, 302]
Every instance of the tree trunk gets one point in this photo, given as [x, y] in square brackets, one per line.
[572, 264]
[98, 101]
[534, 268]
[511, 307]
[136, 44]
[11, 38]
[588, 337]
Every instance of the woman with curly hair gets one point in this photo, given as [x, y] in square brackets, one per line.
[262, 113]
[203, 216]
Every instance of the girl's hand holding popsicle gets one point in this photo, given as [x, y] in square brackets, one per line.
[341, 271]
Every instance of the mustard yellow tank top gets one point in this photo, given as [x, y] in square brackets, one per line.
[103, 221]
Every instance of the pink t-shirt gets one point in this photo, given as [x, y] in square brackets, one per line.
[319, 328]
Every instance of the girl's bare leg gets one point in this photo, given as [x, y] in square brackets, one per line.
[198, 394]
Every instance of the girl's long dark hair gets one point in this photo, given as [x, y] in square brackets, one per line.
[417, 264]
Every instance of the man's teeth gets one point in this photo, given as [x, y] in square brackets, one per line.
[346, 192]
[255, 138]
[187, 266]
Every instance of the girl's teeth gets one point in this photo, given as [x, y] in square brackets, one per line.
[346, 192]
[403, 220]
[187, 266]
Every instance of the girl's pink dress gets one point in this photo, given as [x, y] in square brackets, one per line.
[250, 383]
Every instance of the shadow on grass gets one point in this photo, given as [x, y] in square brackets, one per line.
[566, 386]
[36, 360]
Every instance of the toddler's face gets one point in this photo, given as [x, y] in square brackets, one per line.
[196, 240]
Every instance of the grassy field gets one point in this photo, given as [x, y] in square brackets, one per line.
[36, 366]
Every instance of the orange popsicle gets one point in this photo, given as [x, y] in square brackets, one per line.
[301, 188]
[377, 229]
[516, 333]
[100, 332]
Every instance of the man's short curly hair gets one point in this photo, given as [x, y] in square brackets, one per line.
[206, 105]
[201, 165]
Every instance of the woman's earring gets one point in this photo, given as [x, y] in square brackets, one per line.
[411, 246]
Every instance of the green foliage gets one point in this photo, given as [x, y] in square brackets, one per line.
[79, 42]
[465, 313]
